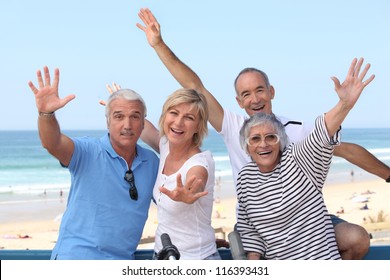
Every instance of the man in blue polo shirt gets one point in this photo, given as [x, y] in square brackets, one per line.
[112, 177]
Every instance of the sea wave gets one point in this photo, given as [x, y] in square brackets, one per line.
[221, 158]
[377, 151]
[33, 189]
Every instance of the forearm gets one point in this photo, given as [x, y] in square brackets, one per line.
[187, 78]
[57, 144]
[150, 135]
[335, 117]
[180, 71]
[49, 131]
[253, 256]
[362, 158]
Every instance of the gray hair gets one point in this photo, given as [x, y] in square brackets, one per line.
[126, 94]
[262, 119]
[252, 69]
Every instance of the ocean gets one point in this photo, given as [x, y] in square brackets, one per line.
[28, 170]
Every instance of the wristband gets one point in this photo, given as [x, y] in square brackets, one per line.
[46, 115]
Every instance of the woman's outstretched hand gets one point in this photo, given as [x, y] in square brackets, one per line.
[189, 193]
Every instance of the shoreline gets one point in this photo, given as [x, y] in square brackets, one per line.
[34, 224]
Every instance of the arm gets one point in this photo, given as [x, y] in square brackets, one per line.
[253, 256]
[349, 92]
[362, 158]
[47, 102]
[181, 72]
[151, 136]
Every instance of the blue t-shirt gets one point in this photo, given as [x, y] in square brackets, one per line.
[101, 220]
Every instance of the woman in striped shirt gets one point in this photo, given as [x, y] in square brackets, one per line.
[282, 214]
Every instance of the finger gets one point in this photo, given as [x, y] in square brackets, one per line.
[191, 183]
[369, 80]
[47, 75]
[358, 67]
[179, 183]
[165, 191]
[200, 194]
[146, 14]
[67, 99]
[39, 78]
[32, 87]
[116, 87]
[352, 68]
[197, 186]
[336, 82]
[109, 89]
[140, 26]
[364, 72]
[151, 16]
[142, 16]
[56, 80]
[152, 21]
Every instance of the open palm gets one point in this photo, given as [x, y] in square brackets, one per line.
[46, 97]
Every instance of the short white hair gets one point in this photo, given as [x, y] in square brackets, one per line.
[126, 94]
[260, 119]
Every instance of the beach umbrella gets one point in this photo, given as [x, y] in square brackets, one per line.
[359, 199]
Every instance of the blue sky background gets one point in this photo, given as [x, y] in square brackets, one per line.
[300, 44]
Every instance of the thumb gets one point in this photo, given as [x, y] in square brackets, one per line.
[67, 99]
[140, 26]
[336, 82]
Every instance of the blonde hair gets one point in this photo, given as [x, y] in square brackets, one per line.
[198, 101]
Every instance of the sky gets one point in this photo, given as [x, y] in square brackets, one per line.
[299, 44]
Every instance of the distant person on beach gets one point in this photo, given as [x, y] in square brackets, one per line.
[255, 94]
[341, 211]
[280, 191]
[112, 177]
[365, 207]
[184, 187]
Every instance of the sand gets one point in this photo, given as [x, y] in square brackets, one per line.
[42, 233]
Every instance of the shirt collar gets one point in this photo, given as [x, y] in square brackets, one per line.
[106, 144]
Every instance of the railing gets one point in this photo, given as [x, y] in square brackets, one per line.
[375, 253]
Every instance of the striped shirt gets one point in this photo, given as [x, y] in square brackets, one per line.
[282, 214]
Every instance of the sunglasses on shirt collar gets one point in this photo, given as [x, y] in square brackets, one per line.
[129, 178]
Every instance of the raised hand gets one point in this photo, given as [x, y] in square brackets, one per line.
[151, 28]
[46, 97]
[111, 90]
[188, 193]
[349, 91]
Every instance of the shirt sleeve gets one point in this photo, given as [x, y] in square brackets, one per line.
[314, 153]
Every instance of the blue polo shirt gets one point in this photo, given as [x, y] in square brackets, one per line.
[101, 221]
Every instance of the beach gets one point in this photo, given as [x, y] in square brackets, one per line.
[34, 224]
